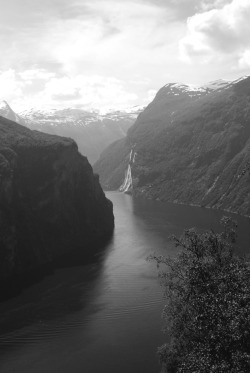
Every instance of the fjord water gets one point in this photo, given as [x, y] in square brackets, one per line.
[104, 316]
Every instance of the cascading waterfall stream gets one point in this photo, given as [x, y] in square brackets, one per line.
[128, 182]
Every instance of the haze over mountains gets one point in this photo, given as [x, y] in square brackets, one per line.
[190, 145]
[92, 131]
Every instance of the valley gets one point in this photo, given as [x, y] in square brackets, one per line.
[92, 131]
[124, 186]
[110, 307]
[188, 149]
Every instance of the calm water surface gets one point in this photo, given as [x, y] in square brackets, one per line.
[104, 317]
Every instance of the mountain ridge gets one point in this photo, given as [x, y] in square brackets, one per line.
[91, 130]
[188, 149]
[8, 113]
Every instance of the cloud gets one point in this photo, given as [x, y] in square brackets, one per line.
[98, 52]
[129, 40]
[219, 34]
[206, 5]
[82, 91]
[111, 37]
[244, 61]
[151, 94]
[181, 9]
[113, 32]
[9, 85]
[85, 86]
[132, 41]
[36, 74]
[89, 91]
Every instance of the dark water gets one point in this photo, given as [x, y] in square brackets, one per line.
[103, 317]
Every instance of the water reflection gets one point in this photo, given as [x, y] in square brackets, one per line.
[168, 218]
[104, 316]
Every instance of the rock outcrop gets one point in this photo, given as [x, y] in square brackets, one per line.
[191, 148]
[51, 205]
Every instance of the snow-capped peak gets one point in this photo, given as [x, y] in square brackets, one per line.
[7, 112]
[188, 87]
[222, 83]
[4, 105]
[32, 111]
[185, 88]
[240, 79]
[192, 90]
[216, 84]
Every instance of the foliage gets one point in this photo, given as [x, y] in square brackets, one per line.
[207, 314]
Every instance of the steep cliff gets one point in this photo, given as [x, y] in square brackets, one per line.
[51, 204]
[8, 113]
[191, 150]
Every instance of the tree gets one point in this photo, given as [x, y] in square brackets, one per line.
[207, 311]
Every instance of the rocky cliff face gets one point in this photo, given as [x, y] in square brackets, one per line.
[189, 148]
[51, 204]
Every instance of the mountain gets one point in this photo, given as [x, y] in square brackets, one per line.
[52, 208]
[190, 145]
[92, 132]
[7, 112]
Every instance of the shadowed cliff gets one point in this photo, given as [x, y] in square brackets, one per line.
[52, 208]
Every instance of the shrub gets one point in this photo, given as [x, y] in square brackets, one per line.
[207, 311]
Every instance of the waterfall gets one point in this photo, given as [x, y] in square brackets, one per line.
[135, 154]
[128, 182]
[130, 155]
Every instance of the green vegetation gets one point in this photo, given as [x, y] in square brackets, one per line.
[207, 314]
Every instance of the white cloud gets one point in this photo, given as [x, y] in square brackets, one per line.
[36, 74]
[98, 52]
[128, 40]
[220, 34]
[9, 85]
[151, 94]
[244, 61]
[88, 91]
[64, 91]
[124, 44]
[212, 4]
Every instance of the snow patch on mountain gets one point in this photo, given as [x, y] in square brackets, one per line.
[3, 104]
[78, 117]
[195, 90]
[7, 112]
[217, 84]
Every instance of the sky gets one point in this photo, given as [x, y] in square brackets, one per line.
[101, 54]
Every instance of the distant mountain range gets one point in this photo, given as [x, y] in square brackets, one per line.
[92, 132]
[190, 145]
